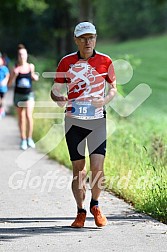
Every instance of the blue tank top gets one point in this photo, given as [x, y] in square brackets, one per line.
[23, 83]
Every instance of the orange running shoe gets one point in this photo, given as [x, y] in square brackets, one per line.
[100, 219]
[79, 221]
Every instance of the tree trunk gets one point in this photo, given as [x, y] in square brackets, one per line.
[86, 11]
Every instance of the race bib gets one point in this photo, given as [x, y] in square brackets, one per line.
[24, 83]
[82, 108]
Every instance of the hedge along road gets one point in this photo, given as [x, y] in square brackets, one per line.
[37, 207]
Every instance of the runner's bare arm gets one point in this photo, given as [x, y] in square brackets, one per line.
[56, 95]
[34, 75]
[12, 78]
[112, 90]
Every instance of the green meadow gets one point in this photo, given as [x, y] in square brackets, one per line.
[136, 160]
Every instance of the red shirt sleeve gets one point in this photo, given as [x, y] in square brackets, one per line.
[110, 78]
[61, 70]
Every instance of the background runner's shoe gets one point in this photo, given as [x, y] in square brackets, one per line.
[100, 218]
[30, 143]
[23, 144]
[79, 221]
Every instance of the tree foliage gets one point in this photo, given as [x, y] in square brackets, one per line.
[37, 6]
[47, 25]
[126, 19]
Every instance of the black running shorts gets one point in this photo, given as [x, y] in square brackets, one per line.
[78, 132]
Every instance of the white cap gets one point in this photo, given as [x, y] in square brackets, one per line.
[84, 28]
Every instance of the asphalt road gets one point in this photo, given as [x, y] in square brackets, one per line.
[37, 207]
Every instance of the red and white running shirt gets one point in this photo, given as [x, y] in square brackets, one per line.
[85, 79]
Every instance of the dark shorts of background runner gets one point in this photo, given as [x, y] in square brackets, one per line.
[23, 98]
[79, 131]
[2, 94]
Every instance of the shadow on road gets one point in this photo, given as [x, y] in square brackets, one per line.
[9, 233]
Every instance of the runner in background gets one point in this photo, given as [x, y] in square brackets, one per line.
[22, 75]
[4, 77]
